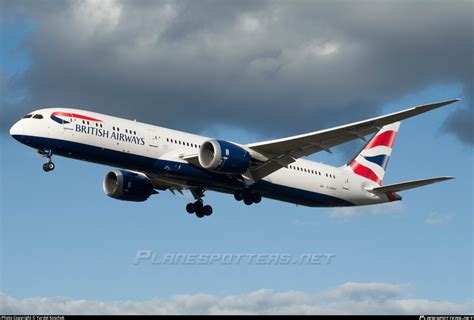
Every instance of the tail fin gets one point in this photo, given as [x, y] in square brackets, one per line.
[372, 160]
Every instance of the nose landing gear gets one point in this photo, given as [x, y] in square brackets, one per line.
[48, 154]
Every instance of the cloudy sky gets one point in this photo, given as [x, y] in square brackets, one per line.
[245, 71]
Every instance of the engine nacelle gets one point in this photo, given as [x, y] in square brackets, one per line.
[128, 186]
[224, 157]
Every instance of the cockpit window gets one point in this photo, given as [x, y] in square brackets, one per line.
[27, 116]
[37, 116]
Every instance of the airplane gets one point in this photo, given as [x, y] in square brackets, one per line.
[153, 159]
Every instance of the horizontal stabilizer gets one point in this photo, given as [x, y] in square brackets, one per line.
[407, 185]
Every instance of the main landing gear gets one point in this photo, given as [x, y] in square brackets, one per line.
[199, 209]
[198, 206]
[248, 196]
[49, 165]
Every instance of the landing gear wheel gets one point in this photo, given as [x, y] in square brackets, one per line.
[248, 201]
[190, 208]
[238, 196]
[48, 166]
[197, 206]
[207, 209]
[256, 197]
[200, 213]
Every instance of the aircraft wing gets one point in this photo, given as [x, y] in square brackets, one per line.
[275, 154]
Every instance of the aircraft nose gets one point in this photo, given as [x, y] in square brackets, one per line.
[16, 131]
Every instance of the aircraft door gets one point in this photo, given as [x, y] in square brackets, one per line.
[345, 182]
[153, 141]
[67, 126]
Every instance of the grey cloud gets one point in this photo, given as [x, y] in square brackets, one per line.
[271, 67]
[349, 298]
[460, 123]
[365, 291]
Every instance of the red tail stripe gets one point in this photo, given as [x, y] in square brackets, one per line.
[74, 115]
[393, 196]
[365, 172]
[386, 138]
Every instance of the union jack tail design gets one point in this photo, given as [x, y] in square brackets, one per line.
[372, 161]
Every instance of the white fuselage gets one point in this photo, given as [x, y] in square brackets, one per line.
[160, 151]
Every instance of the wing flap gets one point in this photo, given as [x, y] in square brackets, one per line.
[162, 184]
[191, 158]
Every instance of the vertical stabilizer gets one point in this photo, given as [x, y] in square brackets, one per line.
[372, 160]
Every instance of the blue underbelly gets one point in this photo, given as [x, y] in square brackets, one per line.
[179, 172]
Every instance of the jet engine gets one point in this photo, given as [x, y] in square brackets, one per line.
[224, 157]
[127, 185]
